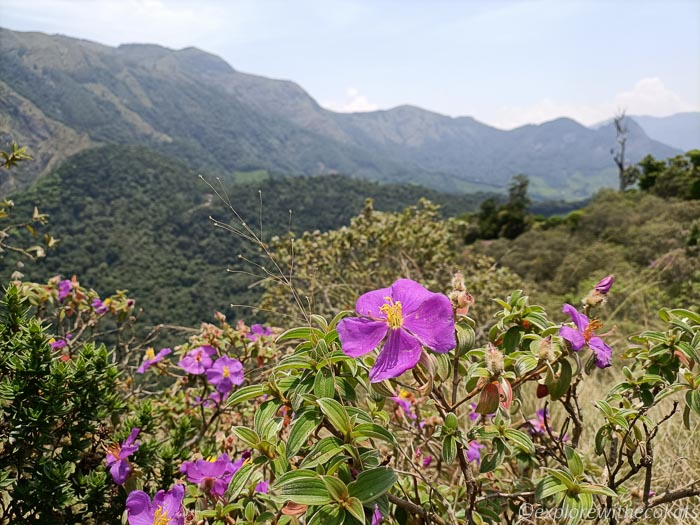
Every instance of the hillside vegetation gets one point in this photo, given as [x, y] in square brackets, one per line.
[130, 218]
[60, 95]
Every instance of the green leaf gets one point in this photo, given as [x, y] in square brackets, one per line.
[322, 451]
[692, 399]
[248, 436]
[520, 439]
[239, 481]
[304, 487]
[495, 458]
[244, 394]
[372, 430]
[324, 384]
[264, 420]
[336, 415]
[564, 477]
[302, 332]
[597, 489]
[511, 339]
[576, 507]
[354, 507]
[449, 449]
[451, 421]
[302, 427]
[548, 486]
[372, 484]
[328, 515]
[336, 488]
[680, 312]
[574, 461]
[558, 388]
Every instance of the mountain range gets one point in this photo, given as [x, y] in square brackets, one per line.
[60, 96]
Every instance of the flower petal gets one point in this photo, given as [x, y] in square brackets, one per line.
[603, 353]
[138, 505]
[359, 336]
[411, 295]
[120, 471]
[433, 323]
[401, 352]
[368, 304]
[580, 320]
[573, 336]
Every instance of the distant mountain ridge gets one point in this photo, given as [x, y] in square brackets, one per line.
[681, 130]
[60, 95]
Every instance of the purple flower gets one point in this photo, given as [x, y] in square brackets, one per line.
[119, 466]
[224, 373]
[604, 285]
[64, 288]
[405, 402]
[412, 316]
[376, 515]
[212, 477]
[165, 509]
[100, 307]
[584, 335]
[473, 452]
[257, 331]
[427, 460]
[262, 487]
[153, 358]
[539, 426]
[60, 343]
[198, 361]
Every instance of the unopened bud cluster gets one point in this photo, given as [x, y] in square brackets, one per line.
[494, 360]
[459, 297]
[544, 349]
[597, 296]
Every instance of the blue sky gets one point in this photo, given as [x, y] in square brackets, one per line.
[505, 63]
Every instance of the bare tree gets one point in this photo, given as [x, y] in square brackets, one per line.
[627, 174]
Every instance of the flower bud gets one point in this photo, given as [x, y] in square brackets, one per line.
[605, 284]
[494, 360]
[458, 282]
[594, 298]
[544, 349]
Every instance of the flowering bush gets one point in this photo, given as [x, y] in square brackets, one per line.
[401, 413]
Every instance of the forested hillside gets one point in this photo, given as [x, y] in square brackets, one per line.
[60, 95]
[129, 218]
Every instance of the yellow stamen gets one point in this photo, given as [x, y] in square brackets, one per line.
[589, 331]
[226, 373]
[392, 310]
[150, 353]
[160, 517]
[404, 394]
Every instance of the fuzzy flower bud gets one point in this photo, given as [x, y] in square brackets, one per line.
[494, 360]
[458, 282]
[597, 295]
[544, 349]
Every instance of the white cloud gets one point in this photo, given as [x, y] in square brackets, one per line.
[354, 102]
[649, 96]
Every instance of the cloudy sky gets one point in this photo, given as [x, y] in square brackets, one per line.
[505, 63]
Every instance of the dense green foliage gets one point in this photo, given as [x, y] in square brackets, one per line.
[676, 177]
[129, 218]
[54, 414]
[327, 271]
[646, 241]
